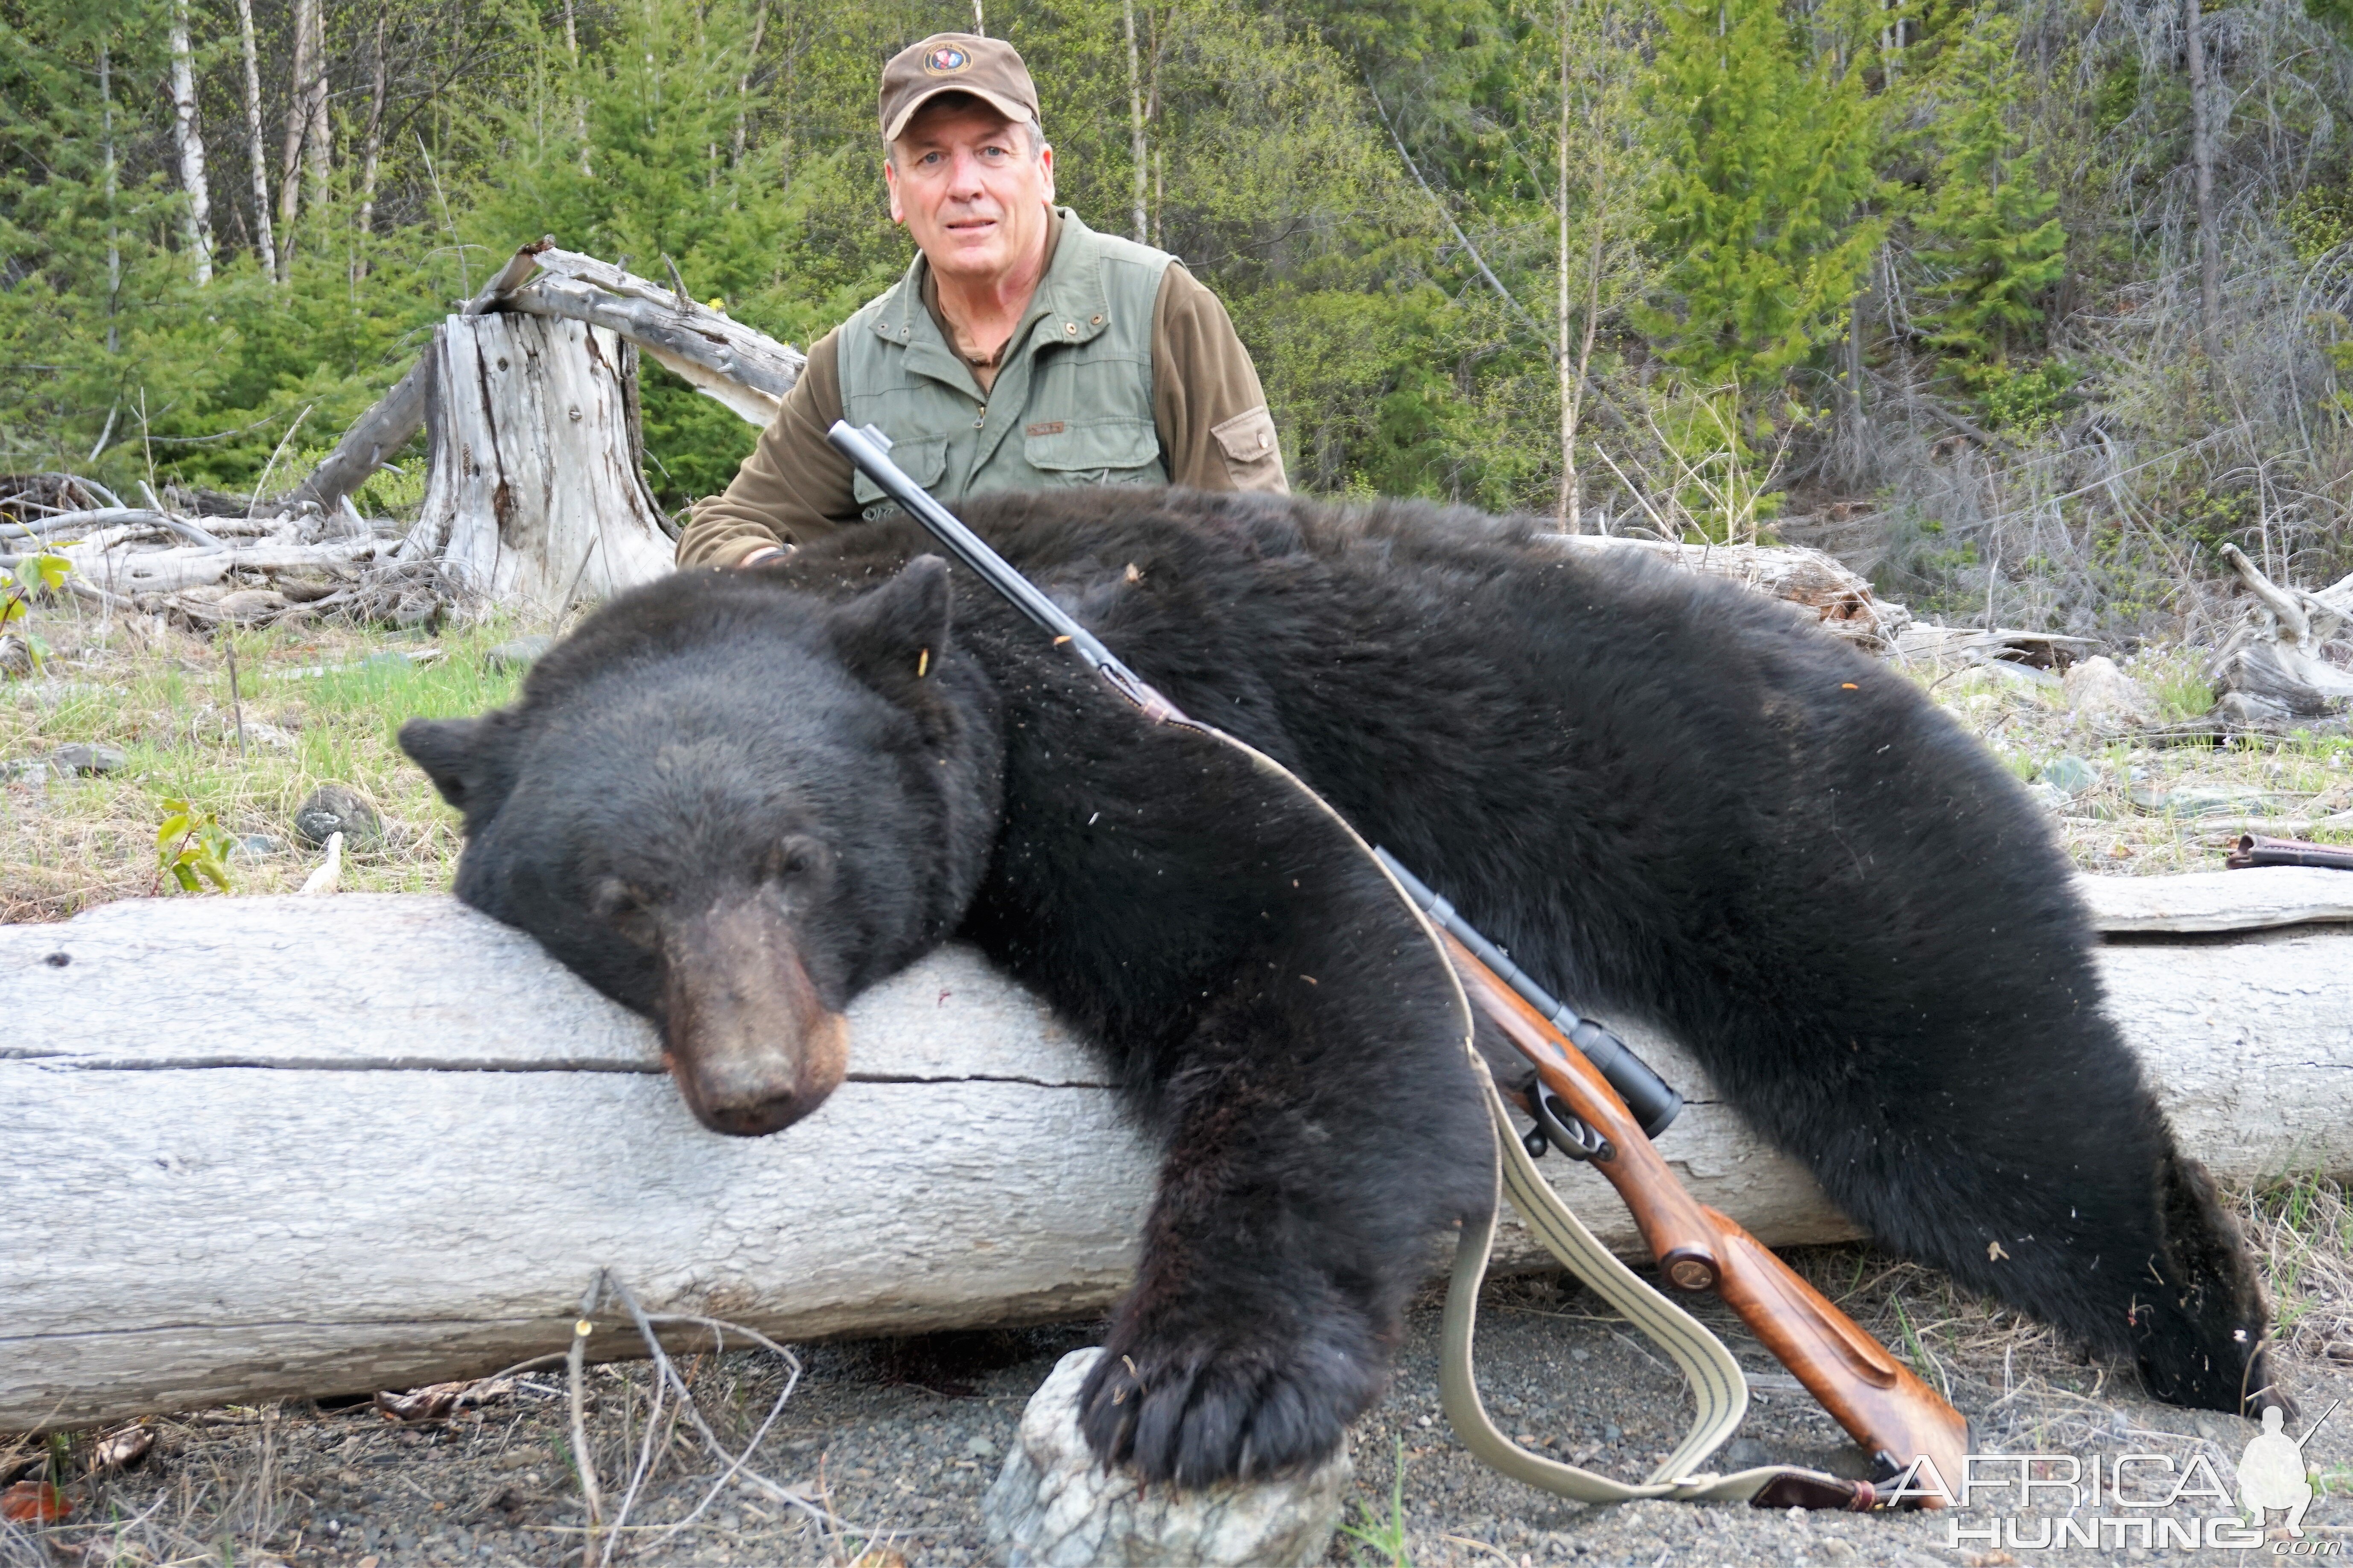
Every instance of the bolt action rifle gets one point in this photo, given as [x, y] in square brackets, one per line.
[1586, 1081]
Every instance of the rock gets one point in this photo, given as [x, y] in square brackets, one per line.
[249, 604]
[258, 732]
[2098, 692]
[2048, 798]
[1053, 1506]
[256, 847]
[521, 653]
[2070, 774]
[2202, 800]
[335, 808]
[85, 757]
[16, 656]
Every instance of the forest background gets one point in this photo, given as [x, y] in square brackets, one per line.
[2025, 307]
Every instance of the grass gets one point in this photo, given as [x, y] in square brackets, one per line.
[1382, 1542]
[162, 699]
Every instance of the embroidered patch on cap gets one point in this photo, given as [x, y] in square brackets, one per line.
[946, 60]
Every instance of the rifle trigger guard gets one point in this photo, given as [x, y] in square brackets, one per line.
[1563, 1129]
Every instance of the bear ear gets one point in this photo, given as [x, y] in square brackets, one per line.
[456, 754]
[894, 639]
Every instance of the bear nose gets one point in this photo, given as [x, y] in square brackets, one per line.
[760, 1118]
[751, 1044]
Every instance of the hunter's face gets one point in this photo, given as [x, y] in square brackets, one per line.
[974, 200]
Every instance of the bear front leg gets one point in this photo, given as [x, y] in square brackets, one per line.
[1294, 1216]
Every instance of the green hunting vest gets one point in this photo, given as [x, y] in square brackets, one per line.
[1072, 404]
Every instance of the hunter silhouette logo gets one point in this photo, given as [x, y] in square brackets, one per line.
[946, 60]
[2271, 1473]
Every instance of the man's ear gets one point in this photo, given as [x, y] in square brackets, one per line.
[461, 756]
[894, 639]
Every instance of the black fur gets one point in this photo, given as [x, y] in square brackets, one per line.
[1664, 797]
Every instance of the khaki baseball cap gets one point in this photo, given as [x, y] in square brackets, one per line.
[988, 68]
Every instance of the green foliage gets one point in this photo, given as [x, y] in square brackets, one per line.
[2318, 220]
[33, 576]
[2023, 400]
[192, 848]
[1767, 158]
[1989, 240]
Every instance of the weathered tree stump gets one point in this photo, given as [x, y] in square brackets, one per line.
[534, 495]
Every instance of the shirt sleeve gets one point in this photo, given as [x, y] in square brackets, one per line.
[793, 489]
[1215, 431]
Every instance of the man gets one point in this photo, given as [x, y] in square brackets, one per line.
[1022, 350]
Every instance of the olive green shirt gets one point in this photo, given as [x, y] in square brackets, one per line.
[1208, 410]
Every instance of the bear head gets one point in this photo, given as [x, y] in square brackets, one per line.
[730, 808]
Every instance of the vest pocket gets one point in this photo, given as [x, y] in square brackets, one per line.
[922, 458]
[1099, 451]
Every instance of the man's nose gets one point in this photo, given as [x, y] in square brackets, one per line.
[963, 178]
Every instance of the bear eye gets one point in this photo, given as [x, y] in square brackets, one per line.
[622, 906]
[799, 857]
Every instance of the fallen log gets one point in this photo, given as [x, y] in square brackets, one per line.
[265, 1147]
[743, 368]
[1841, 600]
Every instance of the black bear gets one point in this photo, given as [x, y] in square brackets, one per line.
[732, 800]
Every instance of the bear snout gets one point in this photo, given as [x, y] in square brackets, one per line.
[749, 1042]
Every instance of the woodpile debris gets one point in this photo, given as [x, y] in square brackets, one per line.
[535, 496]
[2274, 669]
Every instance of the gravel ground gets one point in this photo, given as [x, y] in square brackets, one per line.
[890, 1444]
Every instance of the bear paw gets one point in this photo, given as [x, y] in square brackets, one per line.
[1202, 1410]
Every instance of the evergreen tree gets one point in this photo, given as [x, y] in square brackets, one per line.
[1765, 151]
[1988, 237]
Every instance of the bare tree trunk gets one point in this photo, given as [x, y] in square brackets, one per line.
[113, 239]
[265, 241]
[318, 136]
[191, 145]
[290, 174]
[1140, 224]
[1855, 436]
[1573, 377]
[1568, 513]
[2202, 159]
[372, 146]
[743, 83]
[579, 104]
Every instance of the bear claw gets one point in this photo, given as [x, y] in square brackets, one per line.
[1198, 1417]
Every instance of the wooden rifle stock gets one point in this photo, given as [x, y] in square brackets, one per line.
[1895, 1416]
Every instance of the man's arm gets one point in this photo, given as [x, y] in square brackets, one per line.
[1206, 398]
[794, 488]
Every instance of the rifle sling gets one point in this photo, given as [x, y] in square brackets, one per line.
[1718, 1389]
